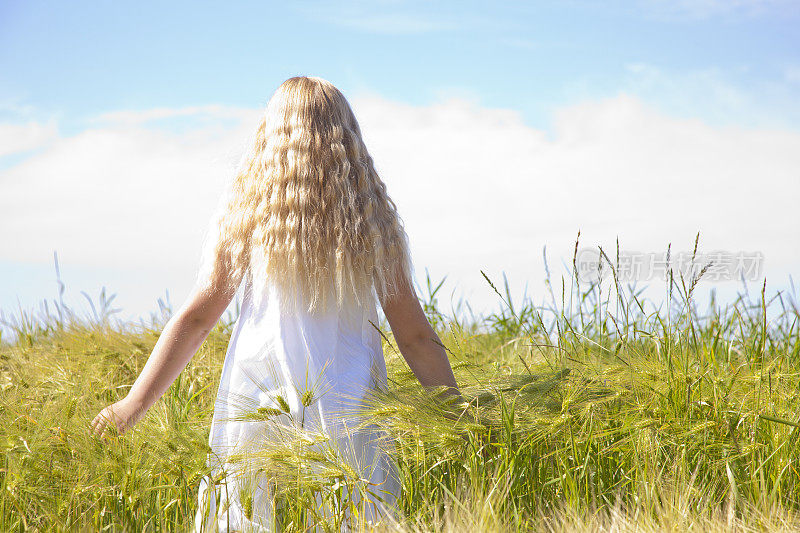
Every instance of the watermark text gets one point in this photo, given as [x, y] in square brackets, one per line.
[646, 266]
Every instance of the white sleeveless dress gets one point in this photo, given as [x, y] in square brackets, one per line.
[274, 352]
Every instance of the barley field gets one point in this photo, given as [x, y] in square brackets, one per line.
[589, 408]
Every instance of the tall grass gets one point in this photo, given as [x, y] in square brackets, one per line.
[596, 409]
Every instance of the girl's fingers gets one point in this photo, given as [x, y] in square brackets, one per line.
[99, 419]
[99, 423]
[103, 420]
[94, 423]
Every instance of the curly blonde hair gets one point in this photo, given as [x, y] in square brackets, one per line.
[306, 209]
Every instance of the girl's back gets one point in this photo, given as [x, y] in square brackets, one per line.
[309, 372]
[320, 363]
[308, 227]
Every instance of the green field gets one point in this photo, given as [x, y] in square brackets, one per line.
[593, 410]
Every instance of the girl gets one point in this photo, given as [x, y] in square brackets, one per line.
[308, 227]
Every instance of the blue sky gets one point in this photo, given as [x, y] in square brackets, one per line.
[76, 59]
[88, 78]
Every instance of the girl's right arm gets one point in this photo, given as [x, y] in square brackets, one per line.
[418, 342]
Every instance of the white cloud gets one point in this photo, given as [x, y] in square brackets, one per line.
[15, 138]
[703, 9]
[134, 117]
[398, 23]
[719, 95]
[386, 17]
[477, 189]
[792, 74]
[119, 195]
[482, 190]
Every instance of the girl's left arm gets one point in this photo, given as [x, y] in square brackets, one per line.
[179, 341]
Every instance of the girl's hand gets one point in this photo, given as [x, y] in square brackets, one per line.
[122, 415]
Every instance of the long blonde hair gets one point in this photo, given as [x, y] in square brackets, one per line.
[306, 209]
